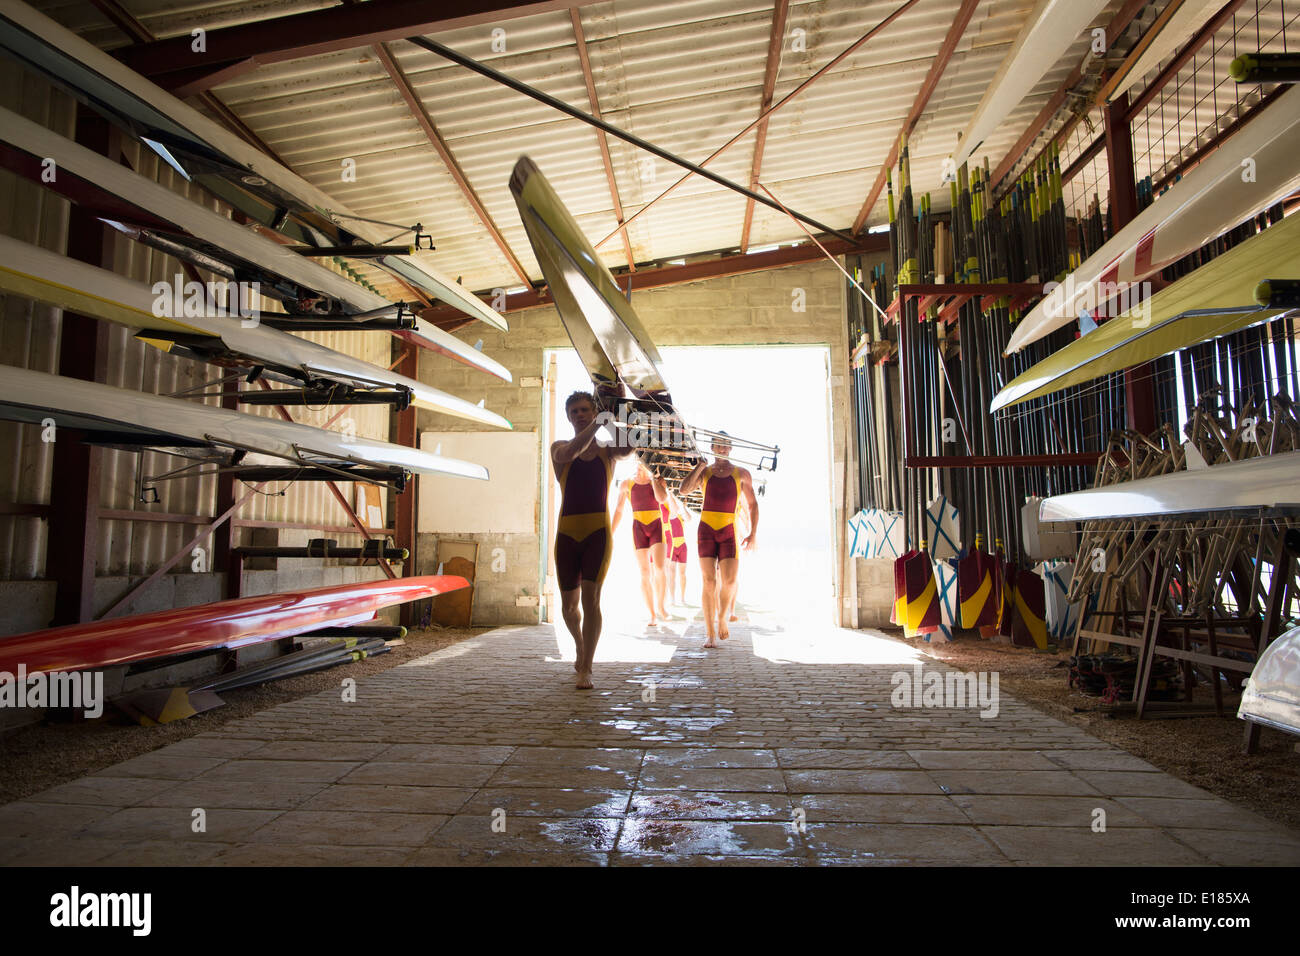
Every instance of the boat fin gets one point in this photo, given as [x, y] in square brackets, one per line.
[151, 707]
[1195, 461]
[164, 345]
[1086, 323]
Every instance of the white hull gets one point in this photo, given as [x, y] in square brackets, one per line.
[29, 396]
[602, 324]
[1215, 196]
[78, 64]
[49, 277]
[1259, 485]
[1050, 30]
[216, 230]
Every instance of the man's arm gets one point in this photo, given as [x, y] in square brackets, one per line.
[751, 501]
[660, 489]
[563, 452]
[692, 481]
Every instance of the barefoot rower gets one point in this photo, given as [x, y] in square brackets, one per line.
[725, 486]
[674, 515]
[647, 495]
[583, 538]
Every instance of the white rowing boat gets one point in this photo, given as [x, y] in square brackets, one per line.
[78, 286]
[150, 212]
[1251, 171]
[203, 150]
[151, 420]
[1264, 485]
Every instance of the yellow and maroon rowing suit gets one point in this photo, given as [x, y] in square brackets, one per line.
[716, 537]
[646, 526]
[674, 537]
[582, 535]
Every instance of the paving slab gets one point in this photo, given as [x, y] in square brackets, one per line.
[782, 748]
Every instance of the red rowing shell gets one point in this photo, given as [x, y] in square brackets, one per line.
[236, 623]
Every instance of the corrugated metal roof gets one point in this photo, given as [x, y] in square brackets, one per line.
[686, 75]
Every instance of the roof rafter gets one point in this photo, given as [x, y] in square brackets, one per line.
[775, 42]
[601, 138]
[941, 60]
[416, 108]
[849, 50]
[344, 27]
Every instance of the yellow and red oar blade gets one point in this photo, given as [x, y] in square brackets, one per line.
[921, 596]
[1029, 622]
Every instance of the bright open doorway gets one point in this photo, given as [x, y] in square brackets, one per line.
[777, 395]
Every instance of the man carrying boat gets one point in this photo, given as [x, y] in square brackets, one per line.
[725, 486]
[647, 495]
[583, 537]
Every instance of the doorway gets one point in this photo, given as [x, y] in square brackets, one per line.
[773, 394]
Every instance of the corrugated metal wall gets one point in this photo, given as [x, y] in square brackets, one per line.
[29, 337]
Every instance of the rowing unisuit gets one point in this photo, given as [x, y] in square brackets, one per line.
[716, 537]
[582, 534]
[674, 536]
[646, 526]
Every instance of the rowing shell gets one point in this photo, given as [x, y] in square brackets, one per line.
[1250, 172]
[228, 624]
[151, 213]
[1214, 300]
[600, 320]
[1047, 33]
[203, 151]
[77, 286]
[34, 397]
[1265, 485]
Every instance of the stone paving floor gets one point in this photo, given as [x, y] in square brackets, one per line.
[780, 748]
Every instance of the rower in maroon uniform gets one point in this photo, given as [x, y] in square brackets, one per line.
[646, 494]
[725, 484]
[583, 536]
[675, 546]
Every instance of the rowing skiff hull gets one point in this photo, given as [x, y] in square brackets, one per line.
[34, 397]
[1265, 485]
[223, 624]
[1249, 172]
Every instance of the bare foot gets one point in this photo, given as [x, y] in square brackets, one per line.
[710, 642]
[584, 681]
[733, 618]
[664, 614]
[724, 632]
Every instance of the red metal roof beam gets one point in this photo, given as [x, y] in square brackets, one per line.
[449, 319]
[774, 43]
[343, 27]
[1114, 30]
[601, 138]
[932, 78]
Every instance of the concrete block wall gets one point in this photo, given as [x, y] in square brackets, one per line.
[753, 309]
[875, 579]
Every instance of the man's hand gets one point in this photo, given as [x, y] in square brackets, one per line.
[749, 543]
